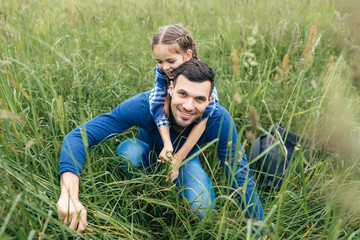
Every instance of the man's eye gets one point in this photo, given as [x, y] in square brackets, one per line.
[200, 99]
[182, 93]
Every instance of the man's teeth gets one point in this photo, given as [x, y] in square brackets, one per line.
[187, 114]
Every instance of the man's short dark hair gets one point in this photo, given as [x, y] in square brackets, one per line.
[196, 71]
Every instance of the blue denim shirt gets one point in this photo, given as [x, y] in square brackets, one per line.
[135, 112]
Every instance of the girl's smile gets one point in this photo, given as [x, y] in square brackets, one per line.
[170, 57]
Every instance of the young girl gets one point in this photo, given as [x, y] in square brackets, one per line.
[173, 45]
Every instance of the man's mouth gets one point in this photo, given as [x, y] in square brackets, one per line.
[185, 114]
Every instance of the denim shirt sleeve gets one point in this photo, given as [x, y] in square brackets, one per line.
[133, 112]
[157, 98]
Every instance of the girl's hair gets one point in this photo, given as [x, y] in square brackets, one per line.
[171, 34]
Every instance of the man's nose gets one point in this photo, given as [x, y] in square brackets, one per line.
[189, 104]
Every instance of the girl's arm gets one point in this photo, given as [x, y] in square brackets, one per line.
[190, 142]
[167, 151]
[157, 100]
[192, 139]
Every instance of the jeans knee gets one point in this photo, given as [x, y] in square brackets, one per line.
[201, 199]
[133, 151]
[202, 208]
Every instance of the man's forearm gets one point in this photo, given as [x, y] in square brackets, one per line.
[70, 184]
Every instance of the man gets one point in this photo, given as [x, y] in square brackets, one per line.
[190, 93]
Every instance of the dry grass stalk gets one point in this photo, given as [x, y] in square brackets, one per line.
[235, 62]
[18, 86]
[313, 32]
[346, 193]
[5, 31]
[309, 50]
[355, 67]
[283, 71]
[4, 63]
[10, 116]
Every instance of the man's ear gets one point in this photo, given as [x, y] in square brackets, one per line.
[171, 88]
[210, 98]
[188, 55]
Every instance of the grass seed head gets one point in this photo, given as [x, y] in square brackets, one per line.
[10, 116]
[250, 136]
[253, 118]
[310, 47]
[4, 63]
[235, 62]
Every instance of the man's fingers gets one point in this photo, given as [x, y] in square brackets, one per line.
[61, 214]
[64, 220]
[82, 221]
[72, 222]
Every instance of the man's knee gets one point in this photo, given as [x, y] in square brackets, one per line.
[203, 204]
[133, 151]
[196, 188]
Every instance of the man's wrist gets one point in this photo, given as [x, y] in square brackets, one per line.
[69, 185]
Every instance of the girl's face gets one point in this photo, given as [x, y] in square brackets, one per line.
[170, 57]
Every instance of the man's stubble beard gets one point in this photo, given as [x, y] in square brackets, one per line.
[173, 122]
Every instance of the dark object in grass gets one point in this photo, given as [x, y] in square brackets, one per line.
[273, 155]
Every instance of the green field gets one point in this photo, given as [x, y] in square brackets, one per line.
[65, 62]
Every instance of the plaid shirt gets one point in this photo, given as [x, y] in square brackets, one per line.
[158, 95]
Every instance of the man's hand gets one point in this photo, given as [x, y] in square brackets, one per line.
[70, 209]
[166, 154]
[72, 212]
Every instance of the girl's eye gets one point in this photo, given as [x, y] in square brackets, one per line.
[171, 62]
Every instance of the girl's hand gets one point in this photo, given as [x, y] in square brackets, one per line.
[166, 154]
[176, 163]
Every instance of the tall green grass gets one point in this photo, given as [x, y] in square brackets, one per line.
[64, 62]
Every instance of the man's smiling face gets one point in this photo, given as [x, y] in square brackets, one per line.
[188, 100]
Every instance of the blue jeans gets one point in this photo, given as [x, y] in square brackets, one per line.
[193, 182]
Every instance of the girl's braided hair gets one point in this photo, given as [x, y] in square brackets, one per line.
[171, 34]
